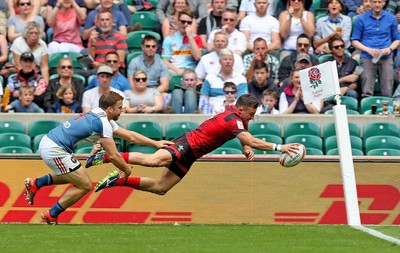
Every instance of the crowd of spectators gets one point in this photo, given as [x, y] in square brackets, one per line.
[259, 46]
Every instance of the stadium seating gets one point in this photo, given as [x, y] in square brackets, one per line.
[322, 58]
[234, 143]
[150, 129]
[175, 129]
[84, 149]
[350, 102]
[384, 142]
[41, 127]
[299, 128]
[335, 151]
[380, 128]
[36, 142]
[148, 19]
[142, 149]
[15, 150]
[317, 7]
[226, 151]
[174, 80]
[15, 139]
[265, 128]
[331, 143]
[384, 152]
[12, 126]
[269, 138]
[329, 130]
[314, 151]
[309, 141]
[365, 103]
[348, 111]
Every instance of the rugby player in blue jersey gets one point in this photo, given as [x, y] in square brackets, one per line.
[57, 147]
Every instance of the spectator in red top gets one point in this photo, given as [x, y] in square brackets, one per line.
[188, 147]
[66, 18]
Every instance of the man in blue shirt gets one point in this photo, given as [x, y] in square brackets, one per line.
[375, 34]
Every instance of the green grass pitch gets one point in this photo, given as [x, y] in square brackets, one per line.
[87, 238]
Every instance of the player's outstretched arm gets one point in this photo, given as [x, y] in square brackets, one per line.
[247, 139]
[137, 138]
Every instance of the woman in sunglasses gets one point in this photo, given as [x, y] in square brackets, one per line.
[169, 26]
[65, 77]
[16, 22]
[142, 99]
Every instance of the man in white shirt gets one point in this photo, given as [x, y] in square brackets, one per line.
[91, 97]
[209, 63]
[237, 39]
[261, 25]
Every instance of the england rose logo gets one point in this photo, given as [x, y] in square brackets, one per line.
[315, 77]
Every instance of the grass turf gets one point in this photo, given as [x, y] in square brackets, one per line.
[166, 238]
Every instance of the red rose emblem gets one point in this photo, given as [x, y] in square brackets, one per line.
[314, 74]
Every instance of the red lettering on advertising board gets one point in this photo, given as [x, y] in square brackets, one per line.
[385, 198]
[5, 193]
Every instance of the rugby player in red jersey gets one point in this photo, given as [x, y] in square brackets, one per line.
[187, 148]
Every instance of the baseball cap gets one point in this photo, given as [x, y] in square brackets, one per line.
[302, 57]
[27, 56]
[105, 69]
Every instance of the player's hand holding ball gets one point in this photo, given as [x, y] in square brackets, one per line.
[292, 154]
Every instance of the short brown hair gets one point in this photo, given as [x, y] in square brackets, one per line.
[110, 98]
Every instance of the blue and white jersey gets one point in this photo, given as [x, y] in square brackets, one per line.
[88, 127]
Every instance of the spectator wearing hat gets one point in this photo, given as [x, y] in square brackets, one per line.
[91, 97]
[27, 76]
[333, 24]
[303, 45]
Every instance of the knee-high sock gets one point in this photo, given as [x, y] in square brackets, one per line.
[133, 182]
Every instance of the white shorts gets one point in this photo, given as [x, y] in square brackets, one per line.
[59, 161]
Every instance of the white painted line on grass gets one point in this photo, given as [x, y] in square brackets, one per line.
[377, 234]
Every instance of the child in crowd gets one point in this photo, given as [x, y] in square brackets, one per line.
[25, 102]
[269, 100]
[67, 102]
[230, 94]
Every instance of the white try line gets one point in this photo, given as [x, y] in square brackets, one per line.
[377, 234]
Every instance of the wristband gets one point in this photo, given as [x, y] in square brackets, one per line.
[273, 146]
[278, 147]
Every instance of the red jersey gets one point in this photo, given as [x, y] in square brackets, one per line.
[215, 131]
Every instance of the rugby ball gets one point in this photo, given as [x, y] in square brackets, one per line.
[294, 158]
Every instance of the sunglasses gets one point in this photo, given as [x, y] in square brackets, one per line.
[150, 46]
[66, 67]
[112, 61]
[303, 45]
[229, 19]
[226, 92]
[186, 22]
[26, 4]
[338, 47]
[141, 79]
